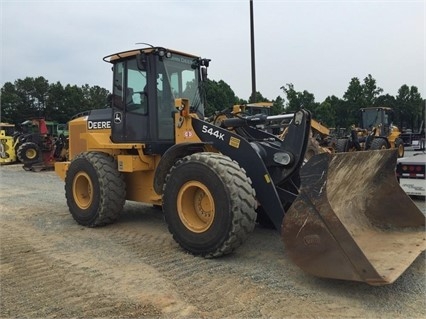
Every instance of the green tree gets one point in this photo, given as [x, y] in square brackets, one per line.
[10, 100]
[353, 101]
[339, 112]
[370, 91]
[95, 97]
[278, 106]
[35, 97]
[296, 99]
[219, 97]
[386, 100]
[326, 112]
[56, 103]
[259, 98]
[74, 100]
[358, 95]
[32, 95]
[409, 106]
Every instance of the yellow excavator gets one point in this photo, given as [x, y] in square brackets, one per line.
[153, 145]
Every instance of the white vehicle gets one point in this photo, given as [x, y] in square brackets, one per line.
[410, 172]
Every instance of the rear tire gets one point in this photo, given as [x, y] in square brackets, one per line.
[29, 153]
[95, 190]
[209, 204]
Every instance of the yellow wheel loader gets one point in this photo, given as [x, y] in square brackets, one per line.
[376, 132]
[154, 146]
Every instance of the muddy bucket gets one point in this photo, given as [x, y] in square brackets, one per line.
[352, 220]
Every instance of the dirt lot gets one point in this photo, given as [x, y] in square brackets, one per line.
[53, 268]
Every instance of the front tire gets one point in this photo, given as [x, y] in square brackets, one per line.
[94, 189]
[342, 145]
[209, 204]
[379, 144]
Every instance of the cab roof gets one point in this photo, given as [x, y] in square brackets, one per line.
[125, 54]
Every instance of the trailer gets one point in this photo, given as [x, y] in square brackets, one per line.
[410, 172]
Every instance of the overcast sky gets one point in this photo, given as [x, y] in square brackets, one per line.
[319, 46]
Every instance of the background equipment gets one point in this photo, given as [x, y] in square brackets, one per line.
[7, 143]
[376, 132]
[39, 146]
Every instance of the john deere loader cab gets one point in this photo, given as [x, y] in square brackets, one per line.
[154, 146]
[144, 91]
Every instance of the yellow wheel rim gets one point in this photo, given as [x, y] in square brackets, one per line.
[31, 153]
[195, 206]
[82, 190]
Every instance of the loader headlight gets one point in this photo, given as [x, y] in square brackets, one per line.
[283, 158]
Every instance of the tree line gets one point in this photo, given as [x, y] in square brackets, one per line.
[36, 97]
[408, 105]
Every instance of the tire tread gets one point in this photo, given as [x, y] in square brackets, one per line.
[111, 185]
[243, 203]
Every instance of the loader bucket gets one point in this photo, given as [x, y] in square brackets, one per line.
[352, 220]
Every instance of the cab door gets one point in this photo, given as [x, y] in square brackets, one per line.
[130, 121]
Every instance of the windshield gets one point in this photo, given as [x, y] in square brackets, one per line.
[371, 118]
[374, 117]
[183, 81]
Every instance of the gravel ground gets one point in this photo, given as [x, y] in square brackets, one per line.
[51, 267]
